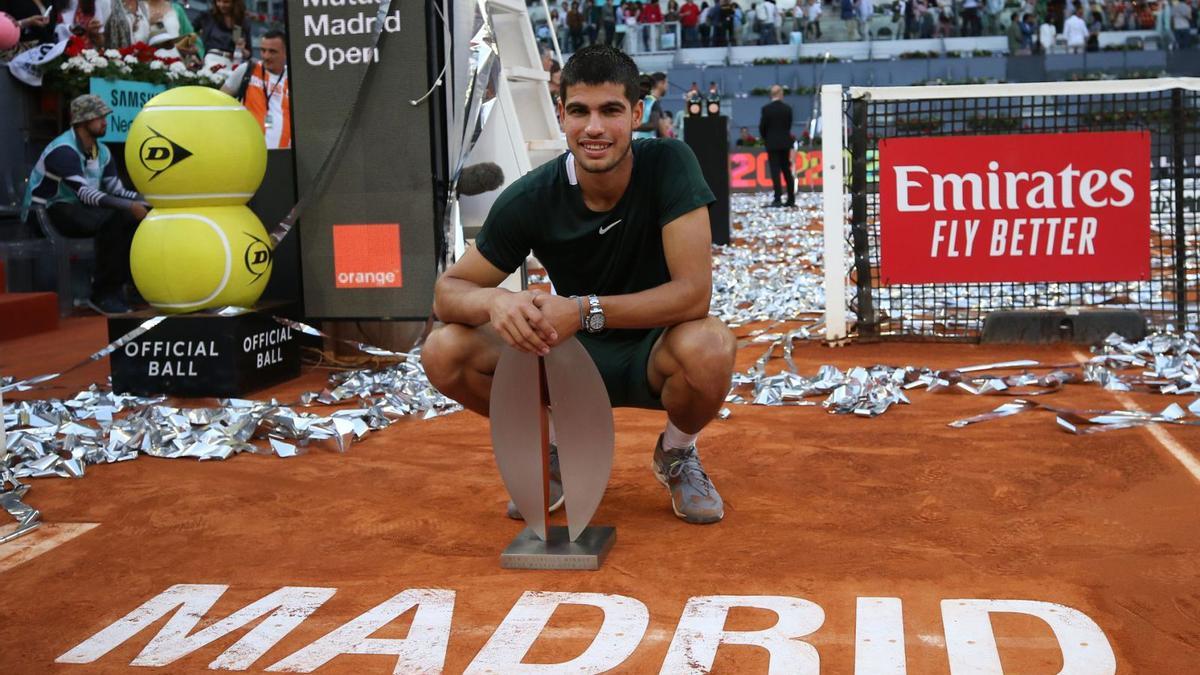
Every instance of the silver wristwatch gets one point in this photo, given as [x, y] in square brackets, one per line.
[594, 323]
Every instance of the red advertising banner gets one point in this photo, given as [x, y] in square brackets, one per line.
[1031, 207]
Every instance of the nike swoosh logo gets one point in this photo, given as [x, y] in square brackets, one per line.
[610, 226]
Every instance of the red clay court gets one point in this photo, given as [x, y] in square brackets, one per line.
[869, 536]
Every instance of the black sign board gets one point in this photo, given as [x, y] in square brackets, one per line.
[204, 354]
[369, 234]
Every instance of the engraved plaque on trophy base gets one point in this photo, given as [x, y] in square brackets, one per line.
[558, 552]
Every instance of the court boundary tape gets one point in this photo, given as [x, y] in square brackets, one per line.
[1165, 439]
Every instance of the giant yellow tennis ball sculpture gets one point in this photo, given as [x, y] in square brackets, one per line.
[184, 260]
[195, 146]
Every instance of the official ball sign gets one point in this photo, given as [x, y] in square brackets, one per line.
[1022, 208]
[205, 354]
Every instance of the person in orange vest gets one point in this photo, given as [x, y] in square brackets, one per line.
[262, 86]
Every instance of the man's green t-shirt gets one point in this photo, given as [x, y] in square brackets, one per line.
[588, 252]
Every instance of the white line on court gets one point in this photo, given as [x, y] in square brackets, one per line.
[1180, 453]
[45, 538]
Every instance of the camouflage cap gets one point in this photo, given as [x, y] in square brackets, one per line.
[87, 108]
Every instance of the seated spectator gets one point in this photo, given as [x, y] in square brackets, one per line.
[223, 32]
[76, 180]
[169, 23]
[263, 89]
[745, 138]
[85, 19]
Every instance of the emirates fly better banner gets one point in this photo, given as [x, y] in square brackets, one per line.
[1034, 207]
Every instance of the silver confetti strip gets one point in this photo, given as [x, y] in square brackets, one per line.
[773, 269]
[55, 437]
[1084, 422]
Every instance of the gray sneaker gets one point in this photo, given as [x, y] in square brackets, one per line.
[556, 491]
[693, 496]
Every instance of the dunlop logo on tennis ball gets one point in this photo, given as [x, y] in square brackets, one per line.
[257, 258]
[159, 153]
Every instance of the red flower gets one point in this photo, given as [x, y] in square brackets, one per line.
[75, 45]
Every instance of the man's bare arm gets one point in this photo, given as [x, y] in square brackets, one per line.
[467, 294]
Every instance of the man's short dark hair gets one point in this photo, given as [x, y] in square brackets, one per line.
[601, 64]
[658, 77]
[554, 67]
[276, 34]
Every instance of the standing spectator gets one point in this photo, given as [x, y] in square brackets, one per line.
[1016, 40]
[263, 89]
[1046, 36]
[650, 19]
[813, 27]
[993, 11]
[850, 19]
[1181, 19]
[137, 15]
[972, 26]
[672, 13]
[654, 123]
[575, 27]
[716, 20]
[1075, 31]
[1094, 27]
[224, 30]
[604, 15]
[627, 27]
[866, 10]
[1163, 25]
[775, 128]
[689, 21]
[1028, 32]
[765, 17]
[76, 180]
[734, 23]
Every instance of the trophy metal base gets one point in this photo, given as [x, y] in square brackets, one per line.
[558, 552]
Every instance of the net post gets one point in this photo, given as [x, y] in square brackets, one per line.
[1178, 131]
[833, 194]
[867, 326]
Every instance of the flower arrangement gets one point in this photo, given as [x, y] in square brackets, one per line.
[918, 124]
[140, 62]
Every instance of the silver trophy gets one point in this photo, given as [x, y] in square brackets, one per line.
[525, 389]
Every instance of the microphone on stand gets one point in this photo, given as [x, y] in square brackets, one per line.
[479, 178]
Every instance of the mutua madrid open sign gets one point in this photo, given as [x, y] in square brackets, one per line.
[366, 157]
[1019, 208]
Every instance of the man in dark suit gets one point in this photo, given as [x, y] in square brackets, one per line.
[775, 129]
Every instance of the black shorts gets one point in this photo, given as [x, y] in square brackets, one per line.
[623, 364]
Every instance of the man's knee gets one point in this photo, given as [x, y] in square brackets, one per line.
[705, 345]
[445, 353]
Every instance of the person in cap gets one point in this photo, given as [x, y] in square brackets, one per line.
[76, 181]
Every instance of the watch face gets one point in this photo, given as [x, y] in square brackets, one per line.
[595, 322]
